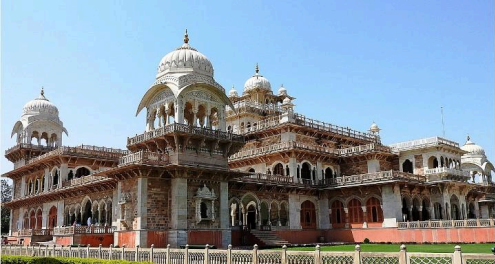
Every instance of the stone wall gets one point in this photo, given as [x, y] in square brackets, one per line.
[354, 168]
[158, 204]
[129, 187]
[192, 188]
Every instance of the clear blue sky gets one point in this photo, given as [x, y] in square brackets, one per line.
[346, 62]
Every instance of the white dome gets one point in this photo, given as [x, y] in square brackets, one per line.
[40, 105]
[257, 81]
[282, 90]
[185, 59]
[233, 92]
[374, 127]
[472, 148]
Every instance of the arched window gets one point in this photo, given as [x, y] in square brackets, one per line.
[407, 166]
[204, 210]
[287, 170]
[374, 210]
[432, 162]
[52, 217]
[438, 211]
[278, 169]
[355, 211]
[306, 171]
[32, 220]
[328, 173]
[70, 176]
[308, 215]
[82, 172]
[55, 177]
[338, 215]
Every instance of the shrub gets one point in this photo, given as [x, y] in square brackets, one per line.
[48, 260]
[366, 241]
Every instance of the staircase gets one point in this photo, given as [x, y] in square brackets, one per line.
[268, 238]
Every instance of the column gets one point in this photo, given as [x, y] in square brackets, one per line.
[324, 215]
[179, 111]
[346, 211]
[392, 205]
[10, 221]
[294, 211]
[60, 213]
[365, 216]
[293, 168]
[224, 214]
[142, 212]
[178, 219]
[64, 170]
[47, 178]
[23, 186]
[319, 175]
[195, 118]
[420, 211]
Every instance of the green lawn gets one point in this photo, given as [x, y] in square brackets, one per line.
[438, 248]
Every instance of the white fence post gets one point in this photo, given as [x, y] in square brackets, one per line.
[317, 255]
[229, 254]
[110, 252]
[168, 254]
[457, 259]
[403, 254]
[151, 253]
[255, 254]
[70, 251]
[123, 253]
[357, 254]
[207, 259]
[284, 254]
[186, 255]
[136, 257]
[87, 252]
[78, 250]
[53, 251]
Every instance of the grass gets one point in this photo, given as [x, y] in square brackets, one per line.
[426, 248]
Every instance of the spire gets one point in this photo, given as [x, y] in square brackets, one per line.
[468, 138]
[257, 69]
[42, 91]
[186, 37]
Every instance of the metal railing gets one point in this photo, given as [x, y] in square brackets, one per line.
[254, 256]
[447, 223]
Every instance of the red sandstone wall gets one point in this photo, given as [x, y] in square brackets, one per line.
[394, 235]
[94, 240]
[205, 237]
[159, 239]
[65, 241]
[127, 238]
[300, 236]
[236, 238]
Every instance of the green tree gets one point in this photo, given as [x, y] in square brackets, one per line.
[6, 196]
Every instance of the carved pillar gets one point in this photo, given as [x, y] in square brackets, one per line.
[159, 115]
[208, 113]
[420, 213]
[346, 211]
[195, 117]
[365, 216]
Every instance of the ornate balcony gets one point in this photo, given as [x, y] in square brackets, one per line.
[447, 223]
[83, 150]
[447, 171]
[71, 230]
[144, 157]
[423, 143]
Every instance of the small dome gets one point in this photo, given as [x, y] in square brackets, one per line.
[282, 90]
[374, 128]
[185, 59]
[472, 148]
[287, 100]
[40, 105]
[257, 81]
[233, 92]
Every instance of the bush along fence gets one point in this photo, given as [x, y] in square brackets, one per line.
[254, 256]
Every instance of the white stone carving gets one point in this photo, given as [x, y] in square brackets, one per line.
[206, 197]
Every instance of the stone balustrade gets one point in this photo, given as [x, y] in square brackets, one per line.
[144, 157]
[82, 180]
[183, 128]
[423, 143]
[83, 150]
[447, 171]
[283, 146]
[447, 223]
[254, 256]
[239, 105]
[28, 146]
[260, 177]
[70, 230]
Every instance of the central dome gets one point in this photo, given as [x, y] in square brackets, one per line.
[257, 81]
[185, 59]
[40, 105]
[472, 148]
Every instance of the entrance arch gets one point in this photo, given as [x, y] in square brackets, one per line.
[407, 166]
[39, 219]
[308, 215]
[52, 217]
[306, 171]
[251, 216]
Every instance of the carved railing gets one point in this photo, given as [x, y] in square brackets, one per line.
[346, 152]
[250, 104]
[260, 177]
[422, 143]
[83, 150]
[253, 256]
[174, 128]
[29, 146]
[447, 223]
[70, 230]
[449, 171]
[25, 232]
[82, 180]
[373, 177]
[144, 157]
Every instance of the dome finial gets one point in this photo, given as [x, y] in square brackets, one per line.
[186, 37]
[42, 91]
[468, 138]
[257, 69]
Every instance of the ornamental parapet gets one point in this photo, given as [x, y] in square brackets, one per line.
[186, 129]
[28, 146]
[290, 145]
[447, 171]
[423, 143]
[447, 223]
[83, 150]
[144, 157]
[71, 230]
